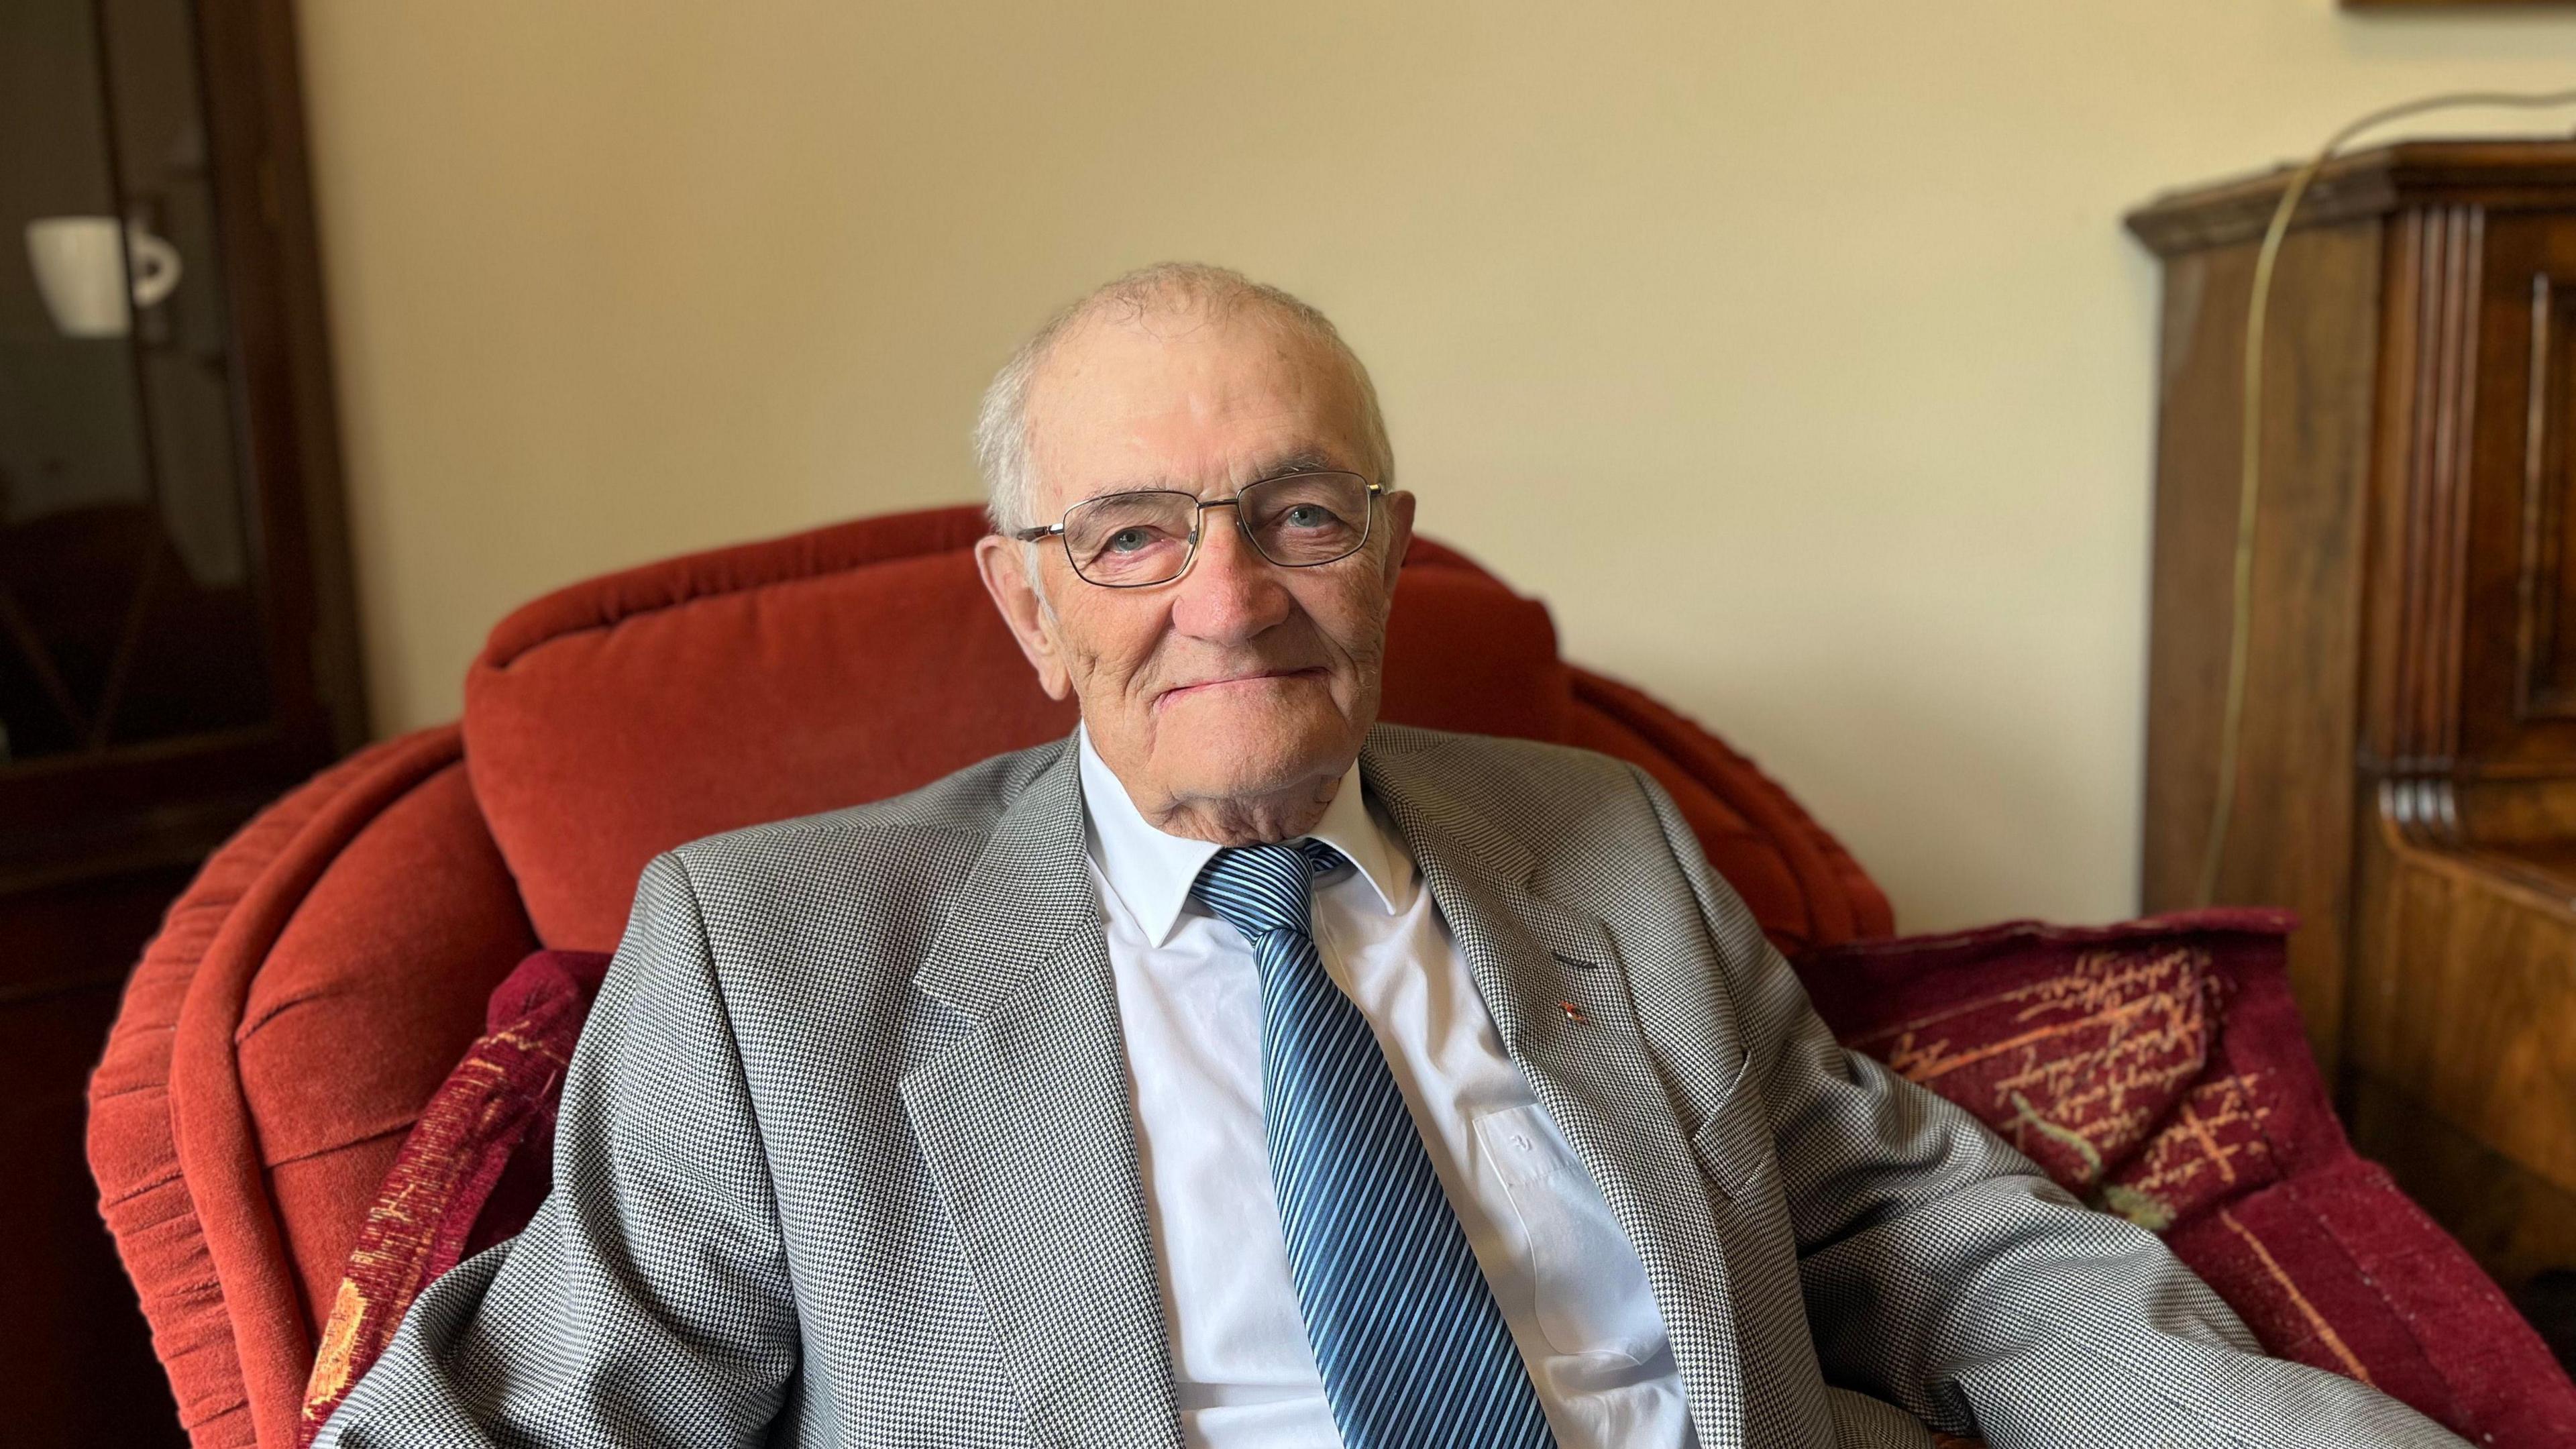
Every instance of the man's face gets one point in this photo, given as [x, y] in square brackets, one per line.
[1241, 681]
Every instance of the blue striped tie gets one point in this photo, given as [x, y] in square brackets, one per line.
[1413, 1351]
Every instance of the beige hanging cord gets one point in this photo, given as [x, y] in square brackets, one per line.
[2240, 638]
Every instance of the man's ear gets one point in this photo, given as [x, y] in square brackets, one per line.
[1399, 533]
[1003, 563]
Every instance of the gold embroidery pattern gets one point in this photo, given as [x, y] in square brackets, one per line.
[481, 1108]
[2100, 1073]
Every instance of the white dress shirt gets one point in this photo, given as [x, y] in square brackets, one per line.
[1569, 1285]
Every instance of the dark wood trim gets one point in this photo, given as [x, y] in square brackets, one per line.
[2453, 4]
[273, 277]
[2513, 1221]
[2493, 175]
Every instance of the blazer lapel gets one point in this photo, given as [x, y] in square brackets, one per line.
[1026, 1126]
[1590, 1067]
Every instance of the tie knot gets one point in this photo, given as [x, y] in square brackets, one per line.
[1262, 888]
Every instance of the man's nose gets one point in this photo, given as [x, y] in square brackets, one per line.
[1231, 592]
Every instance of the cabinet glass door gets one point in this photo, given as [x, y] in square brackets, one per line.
[129, 606]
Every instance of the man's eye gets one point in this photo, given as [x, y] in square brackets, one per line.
[1128, 540]
[1308, 515]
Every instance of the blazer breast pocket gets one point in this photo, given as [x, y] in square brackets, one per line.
[1735, 1149]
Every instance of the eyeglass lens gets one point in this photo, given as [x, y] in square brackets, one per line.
[1127, 540]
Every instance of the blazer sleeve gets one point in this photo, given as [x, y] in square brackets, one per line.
[648, 1302]
[1944, 1273]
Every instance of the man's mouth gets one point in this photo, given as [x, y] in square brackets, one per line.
[1233, 681]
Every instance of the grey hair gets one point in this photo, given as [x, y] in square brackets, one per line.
[1002, 423]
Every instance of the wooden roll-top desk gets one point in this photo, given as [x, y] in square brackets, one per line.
[2408, 778]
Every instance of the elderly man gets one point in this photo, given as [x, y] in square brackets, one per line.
[1240, 1072]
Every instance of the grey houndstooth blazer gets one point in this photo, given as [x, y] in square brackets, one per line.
[846, 1157]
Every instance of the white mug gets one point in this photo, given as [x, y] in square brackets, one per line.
[81, 272]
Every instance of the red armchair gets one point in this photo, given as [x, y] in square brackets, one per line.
[322, 976]
[330, 964]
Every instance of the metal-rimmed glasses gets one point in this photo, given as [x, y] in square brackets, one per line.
[1138, 539]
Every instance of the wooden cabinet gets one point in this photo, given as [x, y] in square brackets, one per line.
[2408, 777]
[177, 641]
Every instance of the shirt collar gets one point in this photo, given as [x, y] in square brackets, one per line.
[1152, 872]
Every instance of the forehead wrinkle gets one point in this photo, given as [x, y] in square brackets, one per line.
[1302, 458]
[1319, 394]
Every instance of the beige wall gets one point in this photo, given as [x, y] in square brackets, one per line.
[1791, 349]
